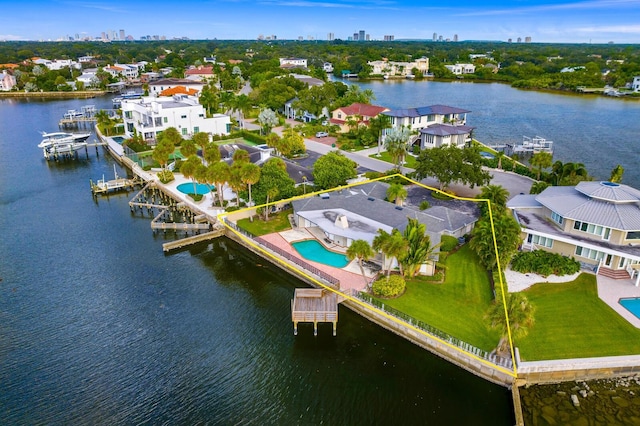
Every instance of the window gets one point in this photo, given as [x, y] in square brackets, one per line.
[539, 241]
[183, 116]
[128, 115]
[165, 120]
[633, 235]
[557, 218]
[184, 131]
[590, 228]
[589, 253]
[196, 129]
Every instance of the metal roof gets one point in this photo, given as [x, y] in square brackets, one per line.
[446, 129]
[426, 110]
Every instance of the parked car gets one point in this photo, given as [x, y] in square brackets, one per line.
[325, 123]
[322, 134]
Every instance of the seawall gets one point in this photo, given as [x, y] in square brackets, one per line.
[54, 95]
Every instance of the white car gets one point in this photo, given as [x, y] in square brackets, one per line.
[322, 134]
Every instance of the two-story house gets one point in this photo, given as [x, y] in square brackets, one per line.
[149, 116]
[398, 69]
[158, 86]
[435, 125]
[358, 113]
[7, 81]
[597, 223]
[635, 85]
[459, 69]
[293, 63]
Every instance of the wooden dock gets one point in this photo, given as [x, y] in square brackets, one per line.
[103, 186]
[314, 305]
[195, 239]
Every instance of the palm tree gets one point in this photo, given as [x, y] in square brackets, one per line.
[541, 160]
[507, 239]
[271, 194]
[397, 193]
[201, 139]
[188, 169]
[499, 156]
[392, 246]
[211, 154]
[218, 174]
[396, 144]
[240, 156]
[574, 173]
[377, 125]
[616, 174]
[517, 317]
[361, 250]
[496, 194]
[250, 175]
[419, 250]
[188, 148]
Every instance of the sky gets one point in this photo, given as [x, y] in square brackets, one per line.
[545, 21]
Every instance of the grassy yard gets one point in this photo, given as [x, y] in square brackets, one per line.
[410, 161]
[456, 306]
[277, 222]
[572, 322]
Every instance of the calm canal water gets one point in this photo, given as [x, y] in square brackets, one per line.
[598, 131]
[98, 326]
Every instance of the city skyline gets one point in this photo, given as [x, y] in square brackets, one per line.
[545, 21]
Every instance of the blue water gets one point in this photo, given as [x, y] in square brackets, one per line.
[200, 188]
[99, 327]
[118, 139]
[313, 250]
[632, 305]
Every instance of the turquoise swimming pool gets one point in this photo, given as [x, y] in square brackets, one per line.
[313, 250]
[118, 139]
[632, 305]
[200, 188]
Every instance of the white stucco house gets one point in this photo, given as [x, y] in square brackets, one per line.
[635, 85]
[400, 69]
[459, 69]
[149, 116]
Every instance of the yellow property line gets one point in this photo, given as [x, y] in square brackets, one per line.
[512, 373]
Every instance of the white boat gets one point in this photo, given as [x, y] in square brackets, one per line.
[49, 139]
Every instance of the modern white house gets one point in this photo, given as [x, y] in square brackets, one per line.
[400, 69]
[89, 78]
[149, 116]
[293, 63]
[435, 125]
[127, 71]
[459, 69]
[597, 223]
[635, 85]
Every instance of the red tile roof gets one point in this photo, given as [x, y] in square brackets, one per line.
[199, 71]
[363, 110]
[178, 90]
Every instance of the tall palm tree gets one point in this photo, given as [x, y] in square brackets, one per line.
[271, 194]
[392, 246]
[419, 250]
[188, 169]
[188, 148]
[250, 175]
[201, 139]
[396, 144]
[361, 250]
[396, 192]
[218, 174]
[496, 194]
[520, 314]
[541, 160]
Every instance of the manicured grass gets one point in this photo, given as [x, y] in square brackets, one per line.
[572, 322]
[456, 306]
[277, 222]
[410, 161]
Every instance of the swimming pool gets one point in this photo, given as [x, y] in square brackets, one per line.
[118, 139]
[632, 305]
[201, 188]
[313, 250]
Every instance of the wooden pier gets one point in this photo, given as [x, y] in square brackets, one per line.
[195, 239]
[103, 186]
[314, 305]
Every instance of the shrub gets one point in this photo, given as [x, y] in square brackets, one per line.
[544, 263]
[448, 243]
[390, 286]
[424, 205]
[165, 176]
[196, 197]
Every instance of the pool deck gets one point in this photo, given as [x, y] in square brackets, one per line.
[349, 276]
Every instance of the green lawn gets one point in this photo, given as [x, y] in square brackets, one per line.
[456, 306]
[572, 322]
[277, 222]
[410, 161]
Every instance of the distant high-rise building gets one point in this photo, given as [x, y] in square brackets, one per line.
[509, 40]
[361, 36]
[440, 38]
[330, 37]
[355, 36]
[455, 37]
[519, 39]
[368, 37]
[300, 38]
[527, 39]
[260, 37]
[103, 36]
[122, 36]
[435, 36]
[388, 38]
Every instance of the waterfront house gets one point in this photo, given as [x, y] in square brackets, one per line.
[126, 71]
[327, 67]
[436, 125]
[356, 112]
[597, 223]
[89, 77]
[357, 213]
[635, 85]
[149, 116]
[460, 69]
[398, 69]
[158, 86]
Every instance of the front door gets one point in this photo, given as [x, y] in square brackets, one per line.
[608, 260]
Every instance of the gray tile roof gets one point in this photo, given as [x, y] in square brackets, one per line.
[367, 212]
[446, 129]
[427, 110]
[614, 209]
